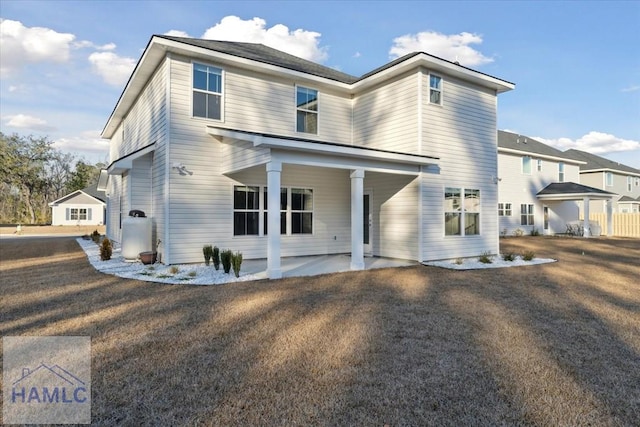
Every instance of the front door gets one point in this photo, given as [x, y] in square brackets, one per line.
[367, 224]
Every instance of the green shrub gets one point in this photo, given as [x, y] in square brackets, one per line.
[207, 251]
[106, 249]
[95, 236]
[528, 255]
[174, 269]
[225, 258]
[458, 261]
[486, 258]
[509, 256]
[216, 257]
[535, 232]
[236, 261]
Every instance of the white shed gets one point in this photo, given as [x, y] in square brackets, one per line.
[82, 207]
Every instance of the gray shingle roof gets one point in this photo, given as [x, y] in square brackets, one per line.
[570, 188]
[92, 190]
[267, 55]
[628, 199]
[597, 162]
[515, 141]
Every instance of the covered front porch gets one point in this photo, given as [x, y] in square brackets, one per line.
[570, 191]
[251, 152]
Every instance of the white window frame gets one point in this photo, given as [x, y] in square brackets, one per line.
[629, 184]
[505, 209]
[524, 172]
[298, 109]
[439, 89]
[608, 179]
[461, 211]
[527, 214]
[539, 165]
[561, 172]
[246, 210]
[220, 94]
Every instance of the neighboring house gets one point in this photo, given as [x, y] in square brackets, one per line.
[223, 143]
[627, 204]
[610, 176]
[82, 207]
[539, 187]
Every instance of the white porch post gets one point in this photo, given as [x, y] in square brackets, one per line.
[274, 170]
[585, 223]
[357, 221]
[609, 204]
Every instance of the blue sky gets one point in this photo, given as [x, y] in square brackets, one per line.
[576, 65]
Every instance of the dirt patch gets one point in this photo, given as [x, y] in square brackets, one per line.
[554, 344]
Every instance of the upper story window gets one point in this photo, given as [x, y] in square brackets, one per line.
[306, 110]
[526, 165]
[207, 92]
[435, 90]
[629, 183]
[539, 161]
[461, 212]
[637, 181]
[609, 179]
[560, 172]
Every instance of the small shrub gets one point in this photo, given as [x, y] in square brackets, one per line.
[518, 232]
[458, 261]
[216, 257]
[485, 258]
[236, 261]
[106, 249]
[95, 236]
[207, 251]
[225, 258]
[535, 232]
[509, 256]
[192, 274]
[174, 269]
[528, 255]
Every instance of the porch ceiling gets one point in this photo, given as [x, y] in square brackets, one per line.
[328, 154]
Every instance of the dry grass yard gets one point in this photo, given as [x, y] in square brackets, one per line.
[550, 345]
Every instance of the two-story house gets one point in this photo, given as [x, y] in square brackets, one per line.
[248, 148]
[539, 188]
[605, 174]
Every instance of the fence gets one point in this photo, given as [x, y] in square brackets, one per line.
[624, 224]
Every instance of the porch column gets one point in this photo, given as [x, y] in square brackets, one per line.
[357, 221]
[609, 204]
[274, 170]
[585, 224]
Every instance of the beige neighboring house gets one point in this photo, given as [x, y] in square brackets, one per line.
[610, 176]
[245, 147]
[539, 188]
[81, 207]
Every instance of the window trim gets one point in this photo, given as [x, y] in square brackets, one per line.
[503, 209]
[440, 89]
[316, 112]
[462, 212]
[529, 213]
[522, 165]
[221, 94]
[561, 172]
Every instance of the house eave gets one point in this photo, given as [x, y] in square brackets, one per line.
[123, 164]
[616, 171]
[540, 156]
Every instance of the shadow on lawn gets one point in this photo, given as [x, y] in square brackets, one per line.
[545, 344]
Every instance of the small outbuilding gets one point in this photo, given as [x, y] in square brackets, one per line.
[81, 207]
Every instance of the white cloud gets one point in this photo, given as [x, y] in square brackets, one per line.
[87, 144]
[176, 33]
[454, 47]
[593, 142]
[92, 45]
[301, 43]
[631, 88]
[24, 121]
[114, 69]
[21, 45]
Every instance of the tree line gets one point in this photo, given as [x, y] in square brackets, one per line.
[33, 173]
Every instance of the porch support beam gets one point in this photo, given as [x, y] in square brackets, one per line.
[585, 224]
[357, 221]
[274, 269]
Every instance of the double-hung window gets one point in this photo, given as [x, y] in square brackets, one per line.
[246, 210]
[609, 179]
[435, 89]
[207, 91]
[539, 161]
[306, 110]
[526, 165]
[629, 183]
[526, 214]
[504, 209]
[561, 172]
[301, 211]
[461, 211]
[78, 214]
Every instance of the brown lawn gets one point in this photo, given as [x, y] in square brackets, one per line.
[548, 345]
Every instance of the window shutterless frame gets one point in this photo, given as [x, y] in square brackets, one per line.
[207, 91]
[307, 111]
[435, 89]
